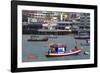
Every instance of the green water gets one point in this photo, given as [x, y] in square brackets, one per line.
[40, 48]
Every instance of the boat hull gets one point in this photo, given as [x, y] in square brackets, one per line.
[77, 37]
[63, 54]
[38, 40]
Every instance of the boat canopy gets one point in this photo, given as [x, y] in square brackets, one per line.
[61, 50]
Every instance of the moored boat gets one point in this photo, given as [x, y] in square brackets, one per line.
[82, 36]
[38, 40]
[32, 38]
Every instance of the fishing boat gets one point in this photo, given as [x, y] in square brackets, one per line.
[60, 50]
[63, 54]
[32, 38]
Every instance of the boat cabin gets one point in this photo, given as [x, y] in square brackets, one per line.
[57, 48]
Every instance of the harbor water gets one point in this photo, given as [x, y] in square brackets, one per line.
[38, 49]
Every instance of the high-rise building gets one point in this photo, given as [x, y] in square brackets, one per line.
[84, 22]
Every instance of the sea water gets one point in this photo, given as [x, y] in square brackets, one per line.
[40, 48]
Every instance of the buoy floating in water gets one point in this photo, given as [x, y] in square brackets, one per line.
[86, 53]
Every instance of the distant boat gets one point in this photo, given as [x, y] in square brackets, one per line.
[60, 50]
[34, 38]
[63, 54]
[82, 36]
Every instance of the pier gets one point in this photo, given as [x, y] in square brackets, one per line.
[48, 32]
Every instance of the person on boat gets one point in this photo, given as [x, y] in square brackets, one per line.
[65, 48]
[57, 48]
[87, 41]
[49, 51]
[53, 48]
[76, 48]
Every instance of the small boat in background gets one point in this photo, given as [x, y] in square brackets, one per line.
[82, 36]
[34, 38]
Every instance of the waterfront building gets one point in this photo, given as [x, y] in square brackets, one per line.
[56, 20]
[84, 22]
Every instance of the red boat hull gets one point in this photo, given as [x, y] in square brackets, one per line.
[62, 54]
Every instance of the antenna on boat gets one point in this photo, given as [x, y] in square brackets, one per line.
[76, 43]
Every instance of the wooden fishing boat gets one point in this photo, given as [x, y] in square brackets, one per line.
[60, 50]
